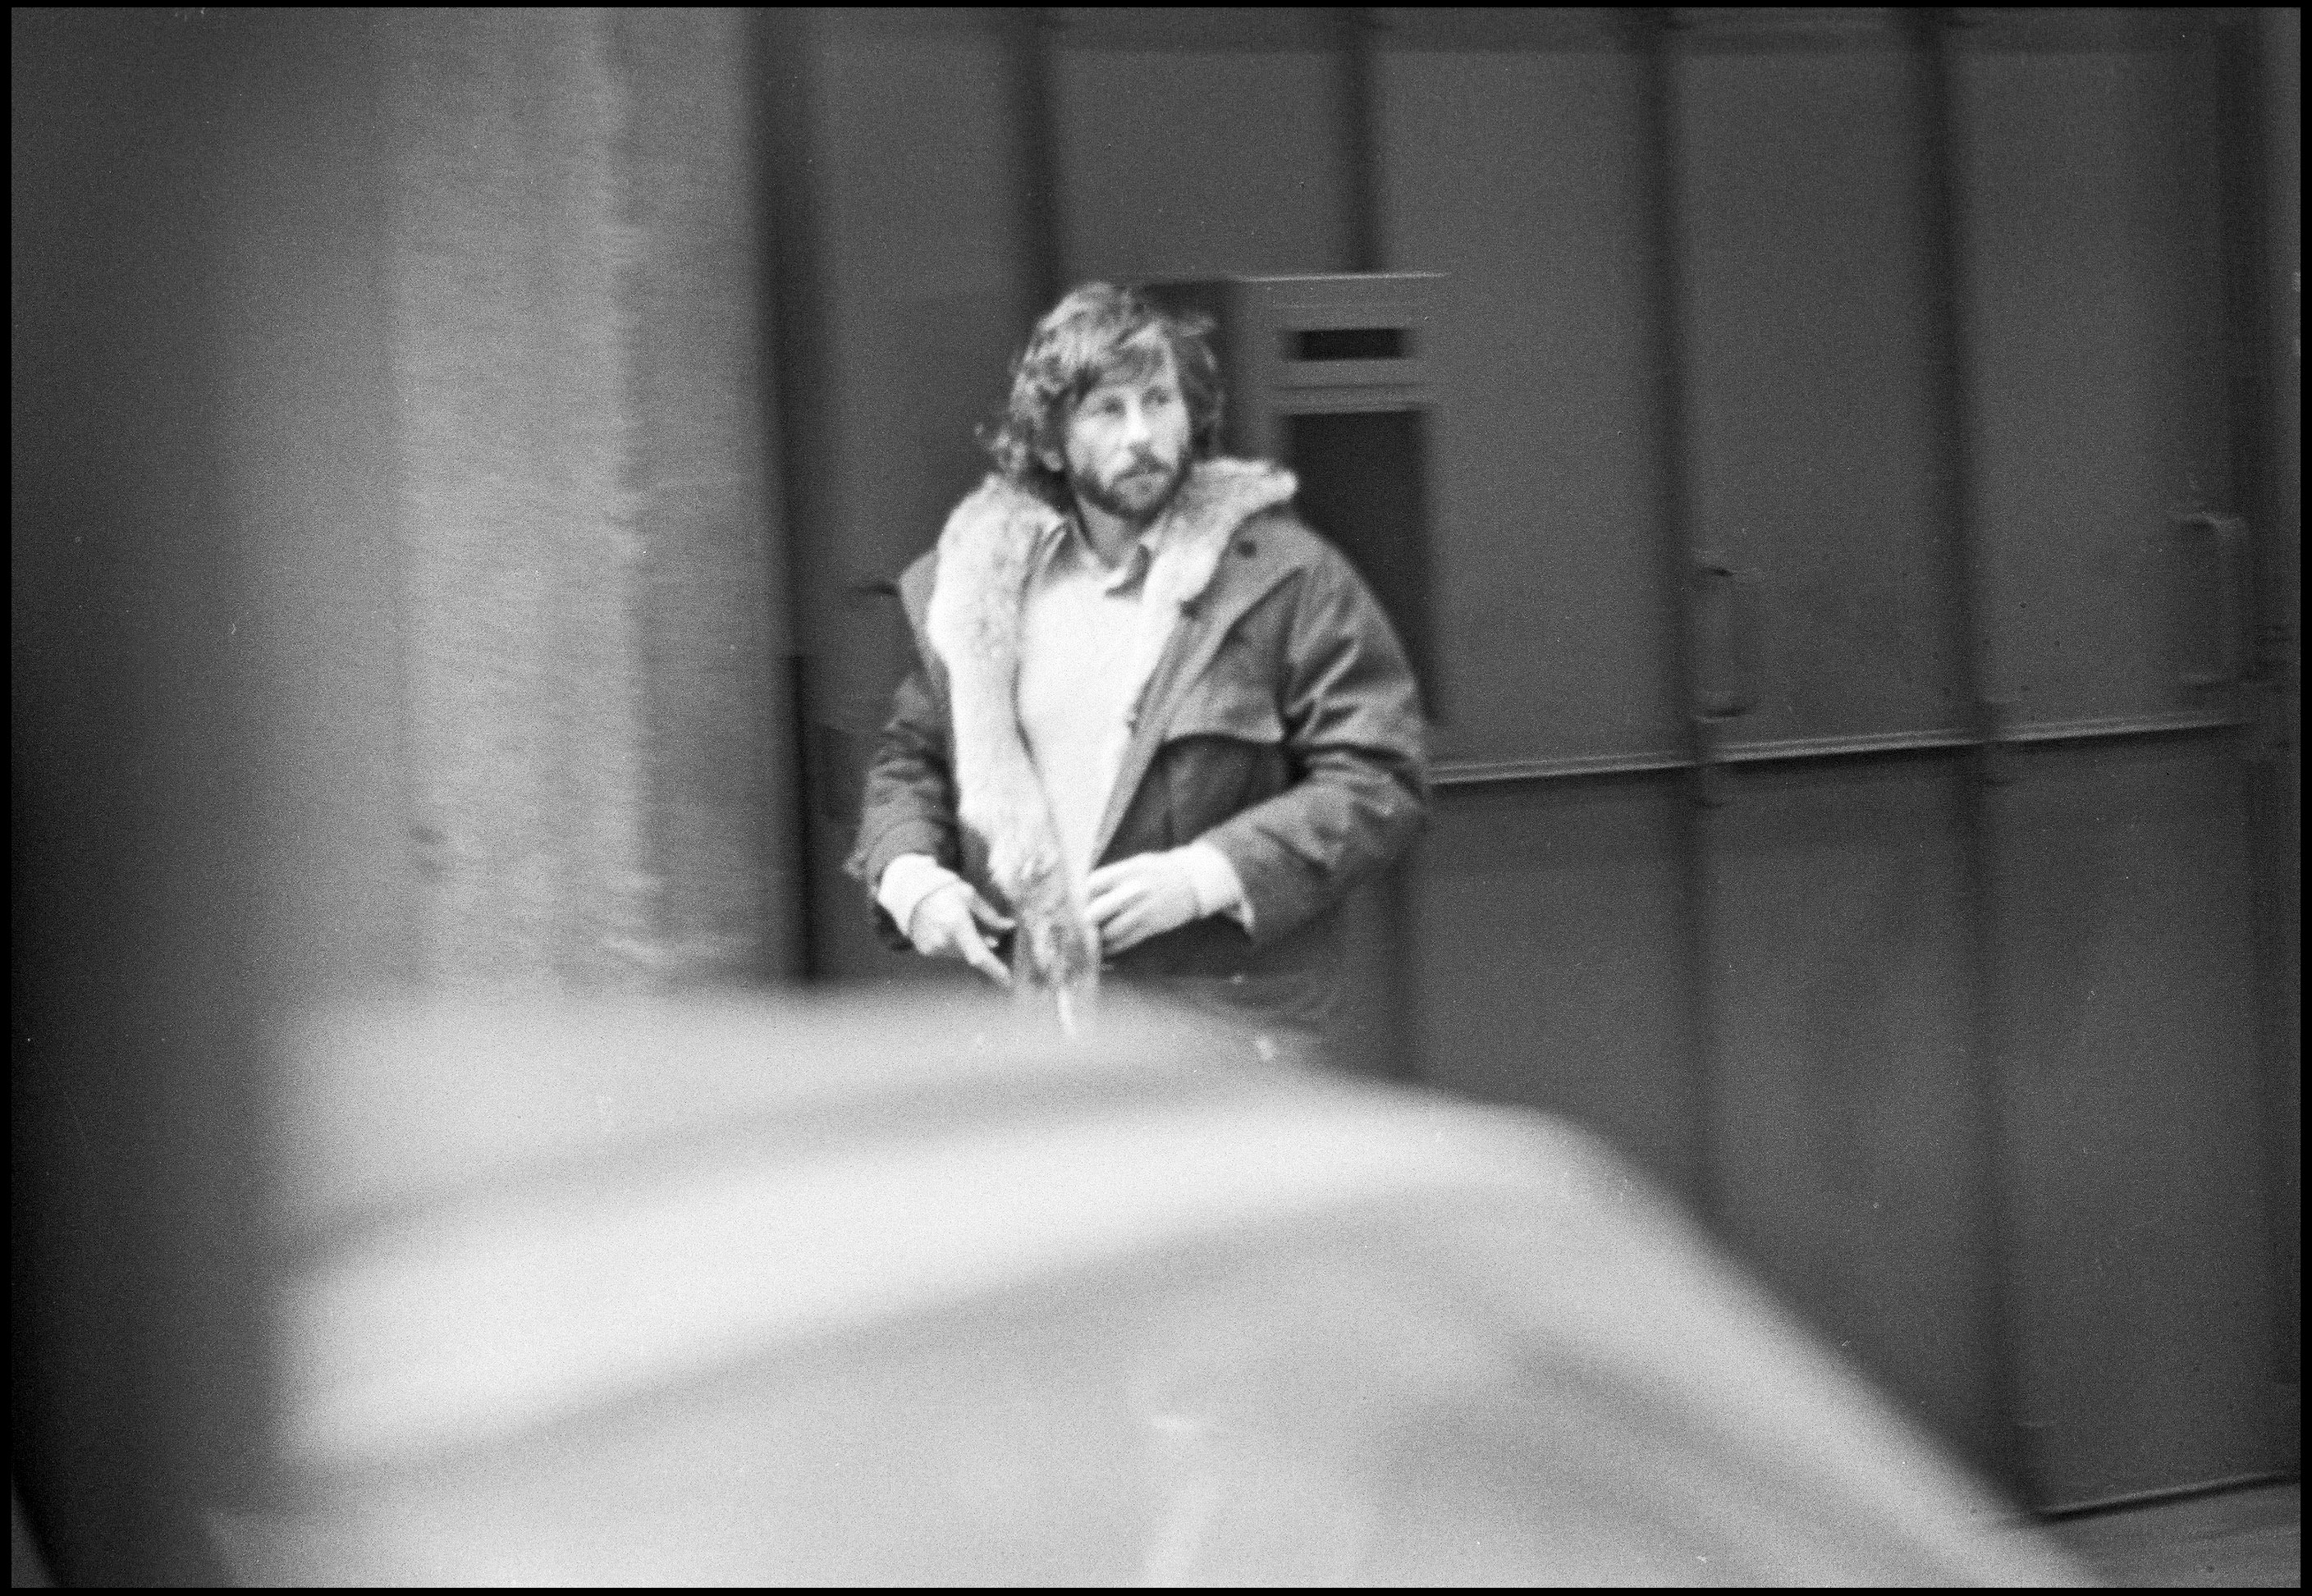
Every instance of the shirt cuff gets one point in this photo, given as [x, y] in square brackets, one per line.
[910, 878]
[1218, 888]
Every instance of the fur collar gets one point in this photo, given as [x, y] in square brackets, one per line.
[991, 544]
[1219, 496]
[1000, 517]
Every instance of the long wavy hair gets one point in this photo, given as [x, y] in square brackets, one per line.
[1085, 339]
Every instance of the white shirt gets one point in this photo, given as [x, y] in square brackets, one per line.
[1087, 647]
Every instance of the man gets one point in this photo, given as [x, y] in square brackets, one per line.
[1158, 728]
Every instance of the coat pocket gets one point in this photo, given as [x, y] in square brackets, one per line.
[1238, 711]
[1223, 752]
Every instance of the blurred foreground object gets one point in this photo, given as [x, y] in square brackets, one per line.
[826, 1294]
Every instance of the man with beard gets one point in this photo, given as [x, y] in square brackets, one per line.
[1158, 726]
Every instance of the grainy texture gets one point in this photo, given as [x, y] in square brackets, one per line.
[589, 681]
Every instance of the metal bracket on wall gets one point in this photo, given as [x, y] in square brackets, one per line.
[2225, 542]
[1723, 607]
[1709, 784]
[2272, 705]
[1994, 732]
[1712, 786]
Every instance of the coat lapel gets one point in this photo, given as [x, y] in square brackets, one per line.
[1245, 574]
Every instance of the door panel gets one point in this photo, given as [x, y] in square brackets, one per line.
[2140, 1265]
[1547, 535]
[2094, 316]
[1548, 960]
[1182, 164]
[1813, 435]
[1854, 1159]
[1849, 1145]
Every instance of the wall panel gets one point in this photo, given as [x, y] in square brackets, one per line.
[1547, 958]
[1812, 454]
[1186, 161]
[2095, 315]
[2142, 1266]
[1516, 174]
[1849, 1152]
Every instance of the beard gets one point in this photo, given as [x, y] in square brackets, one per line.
[1130, 496]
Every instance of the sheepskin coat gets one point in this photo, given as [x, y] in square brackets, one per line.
[1280, 723]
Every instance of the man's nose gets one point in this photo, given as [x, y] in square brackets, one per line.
[1135, 424]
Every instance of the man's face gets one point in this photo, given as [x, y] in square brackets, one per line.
[1128, 441]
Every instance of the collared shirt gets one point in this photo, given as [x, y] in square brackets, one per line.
[1086, 652]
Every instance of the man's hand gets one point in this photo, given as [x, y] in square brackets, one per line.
[946, 925]
[1140, 897]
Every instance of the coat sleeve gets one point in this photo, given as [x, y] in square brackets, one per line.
[908, 804]
[1355, 737]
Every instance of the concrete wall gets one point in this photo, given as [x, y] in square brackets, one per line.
[586, 529]
[397, 606]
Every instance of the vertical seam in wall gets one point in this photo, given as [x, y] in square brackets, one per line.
[795, 316]
[1650, 31]
[2252, 330]
[1035, 129]
[1359, 92]
[1988, 1046]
